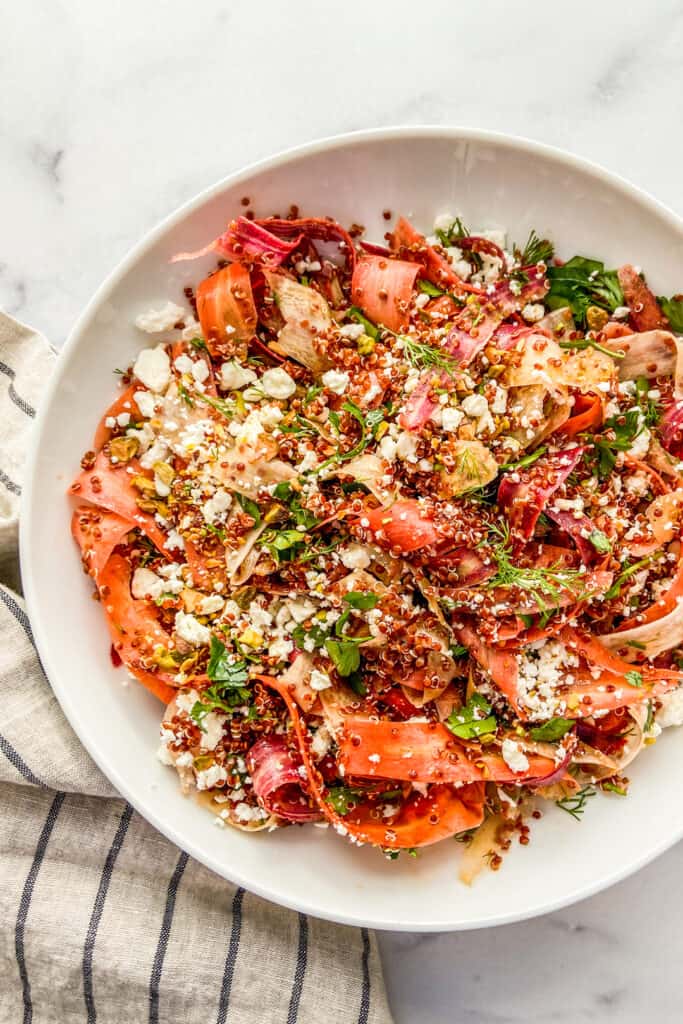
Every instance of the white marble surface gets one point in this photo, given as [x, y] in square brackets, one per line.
[113, 114]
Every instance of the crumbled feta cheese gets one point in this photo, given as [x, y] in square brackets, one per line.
[450, 419]
[153, 368]
[533, 312]
[406, 446]
[277, 383]
[671, 711]
[641, 444]
[245, 813]
[387, 448]
[217, 505]
[320, 680]
[336, 381]
[475, 406]
[621, 313]
[352, 331]
[233, 376]
[500, 401]
[175, 542]
[211, 604]
[355, 556]
[321, 742]
[212, 730]
[156, 320]
[110, 423]
[123, 419]
[183, 364]
[281, 649]
[301, 610]
[211, 776]
[189, 629]
[514, 756]
[145, 402]
[146, 583]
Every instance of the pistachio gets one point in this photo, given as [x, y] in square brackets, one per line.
[143, 483]
[596, 318]
[365, 345]
[123, 448]
[165, 472]
[152, 506]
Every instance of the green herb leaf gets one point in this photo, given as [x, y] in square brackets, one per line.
[185, 395]
[576, 804]
[600, 541]
[473, 720]
[612, 787]
[344, 654]
[536, 250]
[528, 460]
[199, 344]
[634, 678]
[453, 233]
[581, 283]
[673, 311]
[343, 799]
[555, 729]
[361, 601]
[372, 329]
[250, 507]
[430, 289]
[222, 669]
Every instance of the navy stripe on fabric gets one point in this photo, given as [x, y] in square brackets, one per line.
[98, 907]
[9, 484]
[17, 611]
[159, 956]
[18, 762]
[25, 903]
[231, 958]
[365, 965]
[17, 399]
[300, 970]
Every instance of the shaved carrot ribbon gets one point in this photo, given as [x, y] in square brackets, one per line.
[382, 288]
[110, 487]
[425, 752]
[226, 310]
[421, 820]
[125, 403]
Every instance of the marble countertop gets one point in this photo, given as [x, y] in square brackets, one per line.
[114, 114]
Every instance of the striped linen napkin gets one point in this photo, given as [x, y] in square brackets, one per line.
[102, 918]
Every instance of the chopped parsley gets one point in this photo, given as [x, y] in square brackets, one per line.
[473, 720]
[673, 311]
[250, 507]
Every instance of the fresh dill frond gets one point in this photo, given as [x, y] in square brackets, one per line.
[455, 231]
[536, 250]
[424, 357]
[545, 585]
[576, 804]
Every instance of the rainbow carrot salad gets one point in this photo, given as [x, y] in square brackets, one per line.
[393, 530]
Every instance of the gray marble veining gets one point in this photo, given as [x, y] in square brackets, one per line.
[113, 114]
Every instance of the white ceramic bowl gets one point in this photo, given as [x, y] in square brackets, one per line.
[493, 181]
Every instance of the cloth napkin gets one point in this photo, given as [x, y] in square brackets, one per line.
[102, 918]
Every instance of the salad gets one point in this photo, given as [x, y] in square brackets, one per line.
[393, 530]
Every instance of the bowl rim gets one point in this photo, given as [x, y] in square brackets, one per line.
[60, 687]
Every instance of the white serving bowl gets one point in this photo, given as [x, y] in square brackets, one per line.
[493, 181]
